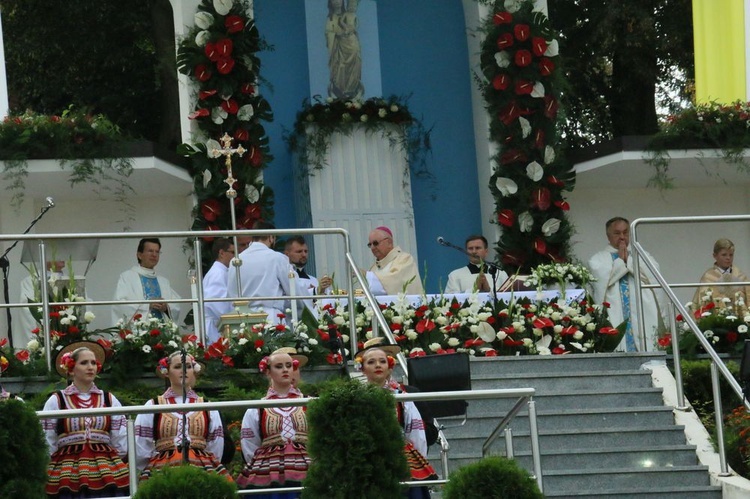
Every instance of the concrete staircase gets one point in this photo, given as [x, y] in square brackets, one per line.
[604, 430]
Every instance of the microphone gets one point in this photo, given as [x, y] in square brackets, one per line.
[50, 202]
[441, 241]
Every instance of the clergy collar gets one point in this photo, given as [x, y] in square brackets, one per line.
[476, 269]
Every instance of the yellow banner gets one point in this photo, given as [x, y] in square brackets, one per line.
[719, 39]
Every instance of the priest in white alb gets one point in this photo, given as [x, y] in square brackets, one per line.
[394, 270]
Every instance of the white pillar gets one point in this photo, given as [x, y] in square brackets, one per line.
[3, 77]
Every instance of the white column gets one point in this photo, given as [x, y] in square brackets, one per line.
[3, 77]
[183, 12]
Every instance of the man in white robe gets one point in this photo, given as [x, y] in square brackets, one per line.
[141, 283]
[473, 276]
[615, 284]
[264, 272]
[215, 286]
[394, 269]
[296, 250]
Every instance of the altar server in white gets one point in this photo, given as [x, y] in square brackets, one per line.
[615, 284]
[215, 286]
[296, 250]
[141, 283]
[264, 272]
[476, 276]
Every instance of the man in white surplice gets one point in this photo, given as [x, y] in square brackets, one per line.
[296, 250]
[615, 285]
[474, 275]
[215, 286]
[264, 272]
[141, 283]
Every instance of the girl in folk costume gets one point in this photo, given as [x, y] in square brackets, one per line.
[376, 360]
[86, 452]
[159, 436]
[274, 439]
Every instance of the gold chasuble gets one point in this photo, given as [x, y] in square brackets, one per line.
[720, 59]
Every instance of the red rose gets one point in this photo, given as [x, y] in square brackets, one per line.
[225, 65]
[521, 32]
[504, 41]
[501, 81]
[258, 343]
[546, 66]
[211, 209]
[224, 48]
[73, 330]
[539, 46]
[202, 73]
[665, 341]
[230, 106]
[241, 134]
[502, 18]
[506, 217]
[234, 24]
[732, 337]
[159, 346]
[154, 333]
[522, 58]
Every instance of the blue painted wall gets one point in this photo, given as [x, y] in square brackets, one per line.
[423, 54]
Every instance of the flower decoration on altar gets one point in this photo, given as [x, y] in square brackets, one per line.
[319, 119]
[245, 346]
[91, 145]
[219, 54]
[724, 325]
[561, 274]
[708, 125]
[519, 61]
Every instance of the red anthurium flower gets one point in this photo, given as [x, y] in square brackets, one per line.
[732, 337]
[227, 361]
[605, 304]
[521, 32]
[230, 106]
[211, 52]
[558, 351]
[224, 47]
[154, 333]
[199, 113]
[501, 81]
[209, 239]
[538, 46]
[396, 327]
[247, 89]
[23, 355]
[211, 209]
[540, 246]
[679, 318]
[474, 342]
[550, 107]
[504, 41]
[234, 24]
[189, 338]
[524, 87]
[513, 258]
[665, 340]
[542, 322]
[513, 156]
[334, 358]
[202, 73]
[609, 331]
[205, 94]
[417, 353]
[506, 217]
[502, 18]
[522, 58]
[541, 198]
[539, 139]
[563, 205]
[490, 353]
[512, 343]
[510, 113]
[225, 65]
[552, 180]
[73, 330]
[546, 66]
[241, 134]
[570, 330]
[254, 156]
[425, 325]
[106, 344]
[3, 342]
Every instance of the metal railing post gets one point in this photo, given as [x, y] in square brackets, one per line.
[132, 456]
[535, 455]
[509, 452]
[44, 289]
[719, 415]
[681, 405]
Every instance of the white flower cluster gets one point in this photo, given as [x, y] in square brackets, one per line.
[559, 273]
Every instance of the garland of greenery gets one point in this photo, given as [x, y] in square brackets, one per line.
[91, 145]
[711, 125]
[521, 84]
[318, 120]
[219, 54]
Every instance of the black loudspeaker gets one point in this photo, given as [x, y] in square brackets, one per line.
[745, 364]
[441, 373]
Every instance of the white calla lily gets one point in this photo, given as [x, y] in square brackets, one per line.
[513, 5]
[204, 20]
[525, 221]
[213, 150]
[206, 177]
[550, 226]
[502, 59]
[202, 38]
[245, 112]
[553, 48]
[506, 186]
[252, 193]
[538, 90]
[534, 171]
[223, 6]
[549, 155]
[218, 115]
[525, 127]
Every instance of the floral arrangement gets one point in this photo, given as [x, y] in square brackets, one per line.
[318, 120]
[247, 345]
[219, 55]
[519, 327]
[519, 59]
[713, 125]
[90, 144]
[724, 325]
[561, 274]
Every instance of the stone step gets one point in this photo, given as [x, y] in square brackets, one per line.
[563, 363]
[616, 417]
[604, 479]
[554, 382]
[632, 492]
[656, 456]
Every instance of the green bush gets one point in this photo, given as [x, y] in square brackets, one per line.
[23, 452]
[491, 478]
[186, 482]
[356, 444]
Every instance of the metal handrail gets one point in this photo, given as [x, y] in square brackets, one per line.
[718, 367]
[130, 411]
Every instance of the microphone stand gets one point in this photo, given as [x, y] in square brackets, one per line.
[490, 265]
[5, 266]
[185, 450]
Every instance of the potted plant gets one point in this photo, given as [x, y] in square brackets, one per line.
[186, 482]
[492, 478]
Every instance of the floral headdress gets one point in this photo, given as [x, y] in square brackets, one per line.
[263, 364]
[162, 367]
[359, 360]
[67, 362]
